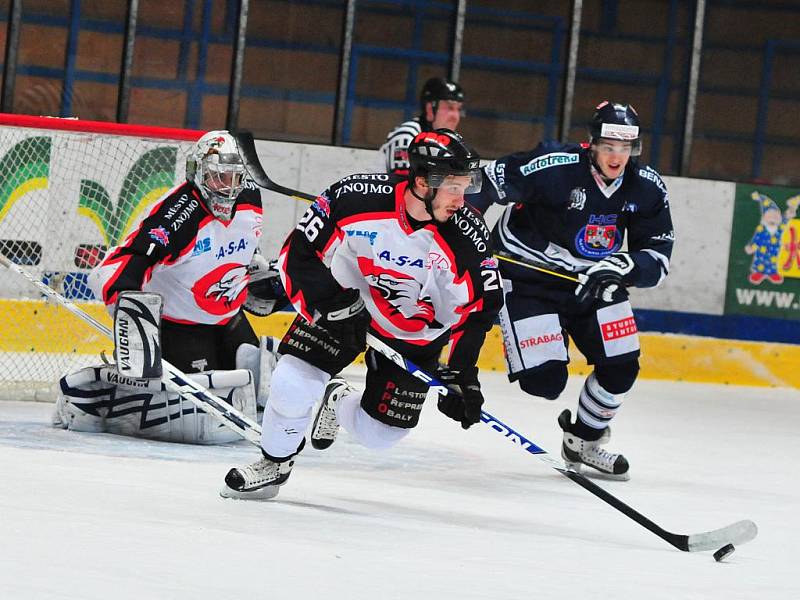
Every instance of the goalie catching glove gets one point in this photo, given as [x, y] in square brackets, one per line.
[464, 404]
[137, 335]
[603, 279]
[265, 293]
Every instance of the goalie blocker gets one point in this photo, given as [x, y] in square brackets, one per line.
[137, 335]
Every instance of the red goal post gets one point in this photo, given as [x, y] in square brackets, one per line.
[69, 189]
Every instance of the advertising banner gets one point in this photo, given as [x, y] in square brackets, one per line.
[764, 264]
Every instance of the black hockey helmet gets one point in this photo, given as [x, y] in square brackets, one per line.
[439, 88]
[616, 122]
[437, 154]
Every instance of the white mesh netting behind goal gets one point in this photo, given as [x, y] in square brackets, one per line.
[68, 191]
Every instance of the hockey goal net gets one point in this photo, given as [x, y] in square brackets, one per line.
[69, 190]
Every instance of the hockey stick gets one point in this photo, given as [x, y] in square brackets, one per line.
[247, 148]
[736, 533]
[529, 264]
[174, 380]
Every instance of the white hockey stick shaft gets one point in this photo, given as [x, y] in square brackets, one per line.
[174, 379]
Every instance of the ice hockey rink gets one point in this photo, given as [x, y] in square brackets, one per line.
[446, 514]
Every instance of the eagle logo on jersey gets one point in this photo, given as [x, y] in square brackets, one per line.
[223, 290]
[398, 297]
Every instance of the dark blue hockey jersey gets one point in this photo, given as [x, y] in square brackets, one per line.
[560, 213]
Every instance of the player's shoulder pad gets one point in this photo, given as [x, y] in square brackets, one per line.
[551, 155]
[177, 206]
[650, 180]
[362, 192]
[173, 221]
[251, 194]
[469, 230]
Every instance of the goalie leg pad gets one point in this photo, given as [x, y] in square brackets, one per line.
[82, 403]
[89, 403]
[137, 334]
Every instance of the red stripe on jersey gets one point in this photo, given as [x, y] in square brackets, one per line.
[297, 298]
[186, 322]
[391, 336]
[123, 261]
[466, 310]
[400, 207]
[251, 207]
[454, 339]
[336, 237]
[368, 216]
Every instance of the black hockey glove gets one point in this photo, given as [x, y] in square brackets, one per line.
[465, 404]
[265, 293]
[346, 319]
[604, 278]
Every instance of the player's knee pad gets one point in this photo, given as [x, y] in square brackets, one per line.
[296, 385]
[392, 395]
[617, 378]
[545, 382]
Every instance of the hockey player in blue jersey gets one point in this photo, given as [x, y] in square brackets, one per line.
[593, 211]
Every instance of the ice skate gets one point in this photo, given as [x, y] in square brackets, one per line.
[578, 452]
[326, 425]
[259, 481]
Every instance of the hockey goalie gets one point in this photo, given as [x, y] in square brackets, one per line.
[177, 287]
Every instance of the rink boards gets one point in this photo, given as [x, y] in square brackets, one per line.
[664, 356]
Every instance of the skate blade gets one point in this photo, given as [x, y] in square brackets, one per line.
[268, 492]
[593, 473]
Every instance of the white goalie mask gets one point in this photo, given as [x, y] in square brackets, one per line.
[216, 167]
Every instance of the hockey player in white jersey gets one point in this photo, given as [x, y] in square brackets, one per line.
[441, 107]
[570, 208]
[405, 258]
[177, 286]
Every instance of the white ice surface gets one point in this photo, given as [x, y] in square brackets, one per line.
[446, 514]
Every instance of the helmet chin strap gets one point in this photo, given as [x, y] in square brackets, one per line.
[427, 199]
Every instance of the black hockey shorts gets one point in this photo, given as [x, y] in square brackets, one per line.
[312, 344]
[536, 325]
[392, 395]
[193, 348]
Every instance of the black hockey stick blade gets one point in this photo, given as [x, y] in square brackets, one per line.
[736, 533]
[247, 148]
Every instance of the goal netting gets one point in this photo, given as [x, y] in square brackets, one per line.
[69, 190]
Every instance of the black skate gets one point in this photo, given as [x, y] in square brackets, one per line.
[578, 452]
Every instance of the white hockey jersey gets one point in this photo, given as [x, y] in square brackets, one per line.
[419, 281]
[180, 250]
